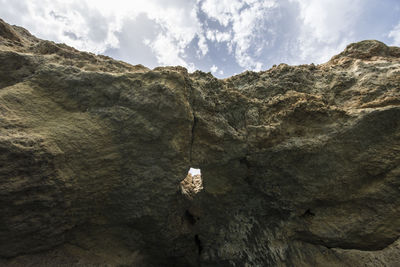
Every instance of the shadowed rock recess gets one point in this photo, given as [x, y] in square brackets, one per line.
[300, 164]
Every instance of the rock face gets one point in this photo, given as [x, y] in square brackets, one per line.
[300, 164]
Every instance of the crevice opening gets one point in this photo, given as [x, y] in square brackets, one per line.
[192, 184]
[198, 244]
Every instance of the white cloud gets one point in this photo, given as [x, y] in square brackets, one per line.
[241, 18]
[94, 25]
[69, 22]
[395, 35]
[179, 26]
[246, 34]
[222, 11]
[217, 36]
[203, 47]
[166, 50]
[326, 27]
[214, 69]
[243, 28]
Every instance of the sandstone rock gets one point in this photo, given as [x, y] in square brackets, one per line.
[300, 164]
[191, 185]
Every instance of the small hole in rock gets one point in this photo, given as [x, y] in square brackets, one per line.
[190, 218]
[192, 184]
[308, 213]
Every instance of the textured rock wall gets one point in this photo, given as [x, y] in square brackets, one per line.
[300, 164]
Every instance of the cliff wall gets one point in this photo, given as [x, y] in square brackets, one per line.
[300, 164]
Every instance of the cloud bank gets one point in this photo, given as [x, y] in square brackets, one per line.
[221, 36]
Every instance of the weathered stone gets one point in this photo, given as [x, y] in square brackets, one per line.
[300, 164]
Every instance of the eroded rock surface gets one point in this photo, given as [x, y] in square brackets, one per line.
[300, 164]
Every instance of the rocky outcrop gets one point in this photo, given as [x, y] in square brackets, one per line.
[300, 164]
[191, 185]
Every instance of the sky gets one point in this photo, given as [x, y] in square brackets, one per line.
[224, 37]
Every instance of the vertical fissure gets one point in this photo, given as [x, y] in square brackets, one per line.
[195, 120]
[198, 244]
